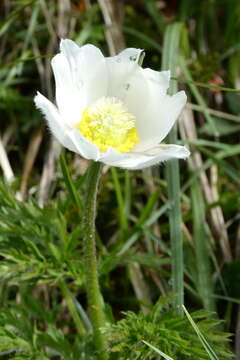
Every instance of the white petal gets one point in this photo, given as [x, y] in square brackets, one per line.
[84, 147]
[141, 86]
[120, 69]
[69, 138]
[88, 68]
[54, 121]
[136, 161]
[129, 54]
[70, 49]
[159, 78]
[111, 156]
[136, 94]
[70, 99]
[155, 120]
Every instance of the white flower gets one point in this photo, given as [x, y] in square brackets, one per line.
[111, 109]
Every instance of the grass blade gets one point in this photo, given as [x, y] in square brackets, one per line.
[158, 351]
[204, 85]
[120, 201]
[170, 52]
[203, 263]
[204, 342]
[70, 185]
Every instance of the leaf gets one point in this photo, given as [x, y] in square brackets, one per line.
[158, 351]
[203, 340]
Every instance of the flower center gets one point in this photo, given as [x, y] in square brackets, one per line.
[107, 123]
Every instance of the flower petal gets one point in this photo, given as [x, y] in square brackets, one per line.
[111, 156]
[129, 54]
[135, 95]
[88, 69]
[120, 68]
[54, 121]
[160, 78]
[69, 98]
[84, 147]
[136, 161]
[156, 120]
[69, 138]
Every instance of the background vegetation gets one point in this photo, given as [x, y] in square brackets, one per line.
[42, 289]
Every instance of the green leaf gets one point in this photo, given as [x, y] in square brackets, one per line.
[158, 351]
[70, 185]
[169, 59]
[203, 340]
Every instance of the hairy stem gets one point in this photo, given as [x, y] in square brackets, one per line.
[95, 302]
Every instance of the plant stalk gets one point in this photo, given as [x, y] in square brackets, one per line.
[94, 297]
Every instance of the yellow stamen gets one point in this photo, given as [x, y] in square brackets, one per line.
[107, 123]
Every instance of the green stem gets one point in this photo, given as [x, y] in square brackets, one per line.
[95, 302]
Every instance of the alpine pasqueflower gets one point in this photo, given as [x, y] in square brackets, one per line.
[110, 109]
